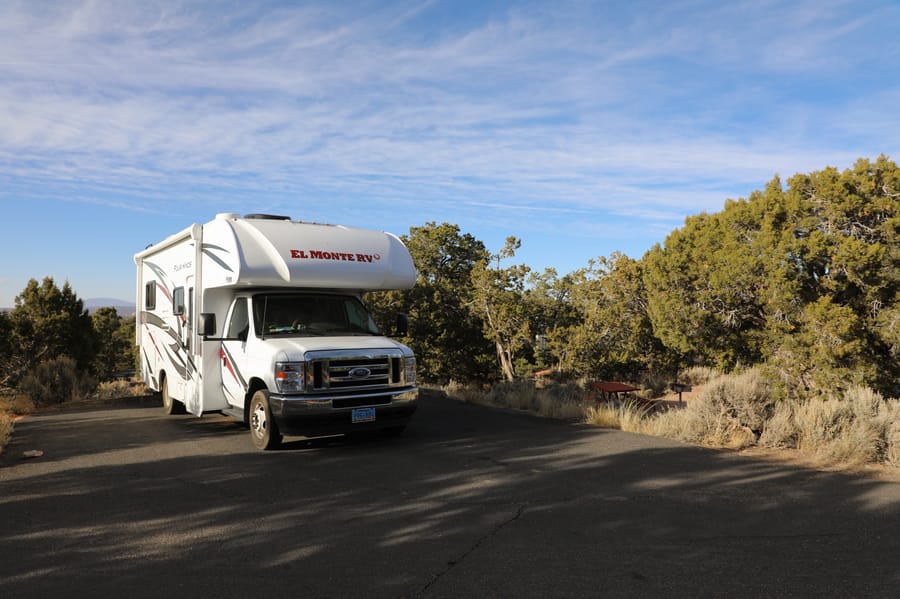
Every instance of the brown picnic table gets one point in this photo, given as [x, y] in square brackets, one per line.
[609, 390]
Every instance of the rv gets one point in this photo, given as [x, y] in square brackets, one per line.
[261, 318]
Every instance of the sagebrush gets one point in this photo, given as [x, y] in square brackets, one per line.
[56, 381]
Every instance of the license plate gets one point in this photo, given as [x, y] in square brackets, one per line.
[363, 415]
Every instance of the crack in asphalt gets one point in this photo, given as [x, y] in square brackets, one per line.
[484, 538]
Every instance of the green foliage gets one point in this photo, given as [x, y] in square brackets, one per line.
[703, 288]
[824, 353]
[498, 299]
[114, 340]
[841, 250]
[46, 323]
[53, 350]
[613, 335]
[444, 332]
[805, 278]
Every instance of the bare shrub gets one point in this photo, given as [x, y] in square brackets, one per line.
[56, 381]
[12, 404]
[519, 394]
[17, 404]
[560, 400]
[892, 441]
[706, 421]
[745, 398]
[731, 412]
[467, 393]
[854, 430]
[654, 385]
[6, 426]
[780, 431]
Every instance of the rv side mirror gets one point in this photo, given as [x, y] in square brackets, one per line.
[208, 325]
[402, 326]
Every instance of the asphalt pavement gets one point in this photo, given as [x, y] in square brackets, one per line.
[469, 502]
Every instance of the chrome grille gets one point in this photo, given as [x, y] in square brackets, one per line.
[349, 374]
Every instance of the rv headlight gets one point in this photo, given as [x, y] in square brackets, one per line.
[289, 376]
[409, 370]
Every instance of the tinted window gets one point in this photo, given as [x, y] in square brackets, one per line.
[150, 296]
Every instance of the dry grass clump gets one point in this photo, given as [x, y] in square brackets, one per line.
[463, 392]
[120, 389]
[556, 400]
[12, 405]
[854, 430]
[627, 415]
[6, 427]
[603, 415]
[16, 404]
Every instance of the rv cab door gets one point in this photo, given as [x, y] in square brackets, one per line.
[183, 302]
[233, 352]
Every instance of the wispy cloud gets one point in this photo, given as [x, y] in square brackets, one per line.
[668, 106]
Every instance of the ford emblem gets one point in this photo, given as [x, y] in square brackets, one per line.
[360, 373]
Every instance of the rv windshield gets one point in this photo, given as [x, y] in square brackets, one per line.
[310, 314]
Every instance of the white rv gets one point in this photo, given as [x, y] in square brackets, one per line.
[261, 318]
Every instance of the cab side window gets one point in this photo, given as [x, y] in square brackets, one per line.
[239, 325]
[150, 296]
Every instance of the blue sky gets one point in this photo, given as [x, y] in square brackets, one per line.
[582, 128]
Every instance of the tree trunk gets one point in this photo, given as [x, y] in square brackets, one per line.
[505, 363]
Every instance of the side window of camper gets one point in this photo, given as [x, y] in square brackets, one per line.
[178, 301]
[150, 296]
[239, 325]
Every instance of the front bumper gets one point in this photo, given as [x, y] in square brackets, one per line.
[327, 415]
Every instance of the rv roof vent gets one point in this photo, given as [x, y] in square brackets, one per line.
[267, 216]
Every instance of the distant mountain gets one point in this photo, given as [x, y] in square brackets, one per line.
[123, 308]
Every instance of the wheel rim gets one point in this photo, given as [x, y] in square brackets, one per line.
[258, 421]
[167, 399]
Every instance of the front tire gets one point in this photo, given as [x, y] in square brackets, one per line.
[263, 430]
[170, 404]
